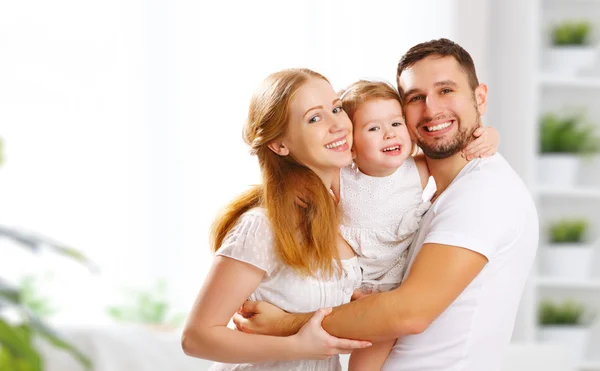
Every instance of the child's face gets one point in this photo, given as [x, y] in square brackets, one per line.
[381, 140]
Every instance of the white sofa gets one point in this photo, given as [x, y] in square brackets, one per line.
[141, 349]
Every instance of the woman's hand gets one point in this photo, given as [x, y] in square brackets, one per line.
[315, 343]
[486, 143]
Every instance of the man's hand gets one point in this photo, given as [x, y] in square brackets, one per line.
[259, 317]
[315, 343]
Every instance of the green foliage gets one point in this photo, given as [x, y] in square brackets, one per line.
[567, 135]
[33, 300]
[571, 33]
[17, 348]
[568, 231]
[568, 313]
[146, 307]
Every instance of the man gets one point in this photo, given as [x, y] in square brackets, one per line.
[471, 258]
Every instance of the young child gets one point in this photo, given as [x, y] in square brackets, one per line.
[381, 193]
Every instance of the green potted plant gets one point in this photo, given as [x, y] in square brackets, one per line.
[571, 49]
[563, 141]
[568, 255]
[149, 308]
[565, 323]
[20, 326]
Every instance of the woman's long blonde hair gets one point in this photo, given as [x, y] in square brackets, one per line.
[303, 215]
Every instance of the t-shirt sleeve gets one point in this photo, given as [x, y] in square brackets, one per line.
[480, 217]
[251, 241]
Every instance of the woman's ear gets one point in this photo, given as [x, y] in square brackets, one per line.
[279, 148]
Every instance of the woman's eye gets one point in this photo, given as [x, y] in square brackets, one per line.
[338, 109]
[314, 119]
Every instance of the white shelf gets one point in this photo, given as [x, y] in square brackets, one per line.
[589, 366]
[569, 192]
[567, 283]
[572, 82]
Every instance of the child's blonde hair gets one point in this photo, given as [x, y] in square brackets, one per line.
[363, 91]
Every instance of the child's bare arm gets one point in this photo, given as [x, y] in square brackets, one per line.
[370, 359]
[486, 143]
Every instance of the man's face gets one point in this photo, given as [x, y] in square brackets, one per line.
[441, 109]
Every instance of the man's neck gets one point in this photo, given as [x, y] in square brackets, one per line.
[445, 170]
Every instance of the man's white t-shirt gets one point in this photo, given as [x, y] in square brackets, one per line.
[486, 209]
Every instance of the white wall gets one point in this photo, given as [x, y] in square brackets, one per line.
[122, 119]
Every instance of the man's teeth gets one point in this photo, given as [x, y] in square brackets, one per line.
[394, 148]
[336, 144]
[438, 127]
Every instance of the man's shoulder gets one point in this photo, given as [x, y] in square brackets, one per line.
[488, 182]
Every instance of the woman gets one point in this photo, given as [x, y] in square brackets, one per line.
[279, 242]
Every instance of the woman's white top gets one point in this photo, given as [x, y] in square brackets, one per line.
[251, 240]
[380, 218]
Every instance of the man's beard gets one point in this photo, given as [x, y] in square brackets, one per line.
[463, 137]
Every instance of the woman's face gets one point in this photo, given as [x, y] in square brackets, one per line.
[319, 132]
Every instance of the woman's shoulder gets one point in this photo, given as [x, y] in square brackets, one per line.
[251, 240]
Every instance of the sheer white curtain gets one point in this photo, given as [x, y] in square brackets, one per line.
[224, 50]
[122, 119]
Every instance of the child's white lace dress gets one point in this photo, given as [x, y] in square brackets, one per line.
[380, 216]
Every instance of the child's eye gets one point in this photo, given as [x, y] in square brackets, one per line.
[397, 124]
[374, 128]
[314, 119]
[338, 109]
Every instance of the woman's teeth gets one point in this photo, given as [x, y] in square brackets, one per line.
[438, 127]
[394, 148]
[336, 144]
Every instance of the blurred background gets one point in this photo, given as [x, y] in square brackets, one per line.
[120, 127]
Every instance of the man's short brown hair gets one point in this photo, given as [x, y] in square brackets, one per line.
[442, 48]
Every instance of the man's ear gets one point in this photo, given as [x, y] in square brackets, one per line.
[279, 148]
[481, 92]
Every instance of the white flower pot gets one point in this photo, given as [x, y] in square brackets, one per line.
[570, 60]
[558, 169]
[568, 260]
[574, 339]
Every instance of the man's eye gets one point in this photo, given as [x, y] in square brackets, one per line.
[446, 91]
[314, 119]
[338, 109]
[416, 98]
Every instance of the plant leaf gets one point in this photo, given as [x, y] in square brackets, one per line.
[51, 336]
[14, 339]
[35, 241]
[9, 292]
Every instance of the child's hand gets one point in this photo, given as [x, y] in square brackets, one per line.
[360, 293]
[486, 143]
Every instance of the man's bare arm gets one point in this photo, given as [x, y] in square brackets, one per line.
[437, 277]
